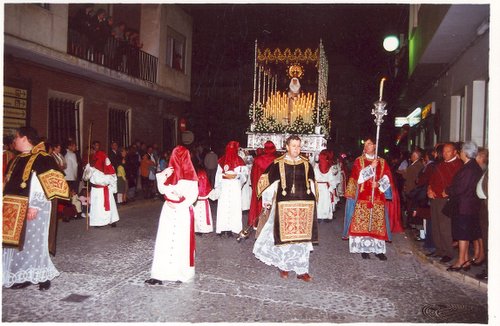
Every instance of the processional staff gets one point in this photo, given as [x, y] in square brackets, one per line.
[88, 161]
[379, 113]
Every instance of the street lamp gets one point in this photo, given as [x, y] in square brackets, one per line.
[391, 43]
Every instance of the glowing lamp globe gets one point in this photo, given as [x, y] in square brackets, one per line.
[391, 43]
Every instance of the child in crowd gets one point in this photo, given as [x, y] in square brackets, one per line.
[122, 184]
[84, 198]
[77, 204]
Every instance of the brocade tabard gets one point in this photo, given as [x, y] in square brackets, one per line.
[16, 192]
[295, 219]
[360, 223]
[19, 174]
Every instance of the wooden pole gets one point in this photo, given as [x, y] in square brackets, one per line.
[88, 161]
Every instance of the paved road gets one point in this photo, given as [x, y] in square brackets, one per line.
[103, 272]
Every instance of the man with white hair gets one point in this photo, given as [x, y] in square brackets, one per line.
[439, 181]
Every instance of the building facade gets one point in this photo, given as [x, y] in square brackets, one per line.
[448, 72]
[67, 73]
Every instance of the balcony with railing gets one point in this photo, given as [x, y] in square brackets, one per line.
[114, 54]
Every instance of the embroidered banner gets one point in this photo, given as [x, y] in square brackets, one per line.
[296, 220]
[360, 224]
[14, 212]
[54, 185]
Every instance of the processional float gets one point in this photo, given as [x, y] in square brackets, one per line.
[290, 97]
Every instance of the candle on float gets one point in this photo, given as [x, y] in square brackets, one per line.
[381, 88]
[317, 115]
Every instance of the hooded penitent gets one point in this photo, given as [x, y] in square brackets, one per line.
[325, 161]
[231, 159]
[180, 161]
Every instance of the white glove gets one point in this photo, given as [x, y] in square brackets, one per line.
[87, 172]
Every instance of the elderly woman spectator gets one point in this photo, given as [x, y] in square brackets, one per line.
[481, 245]
[465, 222]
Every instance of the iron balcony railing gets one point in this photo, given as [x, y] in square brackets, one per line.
[114, 54]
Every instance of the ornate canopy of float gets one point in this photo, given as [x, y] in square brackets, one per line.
[290, 97]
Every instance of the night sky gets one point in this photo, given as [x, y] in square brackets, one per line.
[223, 56]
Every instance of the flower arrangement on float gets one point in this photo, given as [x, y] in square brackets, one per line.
[299, 125]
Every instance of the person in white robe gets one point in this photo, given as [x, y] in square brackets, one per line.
[203, 222]
[246, 190]
[174, 252]
[103, 178]
[232, 173]
[327, 183]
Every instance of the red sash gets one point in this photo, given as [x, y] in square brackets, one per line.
[175, 201]
[192, 242]
[207, 210]
[106, 196]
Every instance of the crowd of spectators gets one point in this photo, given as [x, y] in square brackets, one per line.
[94, 36]
[428, 180]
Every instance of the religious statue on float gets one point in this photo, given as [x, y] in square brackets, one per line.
[295, 72]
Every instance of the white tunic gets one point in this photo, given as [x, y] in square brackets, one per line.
[171, 261]
[203, 222]
[98, 216]
[246, 192]
[327, 182]
[229, 216]
[337, 176]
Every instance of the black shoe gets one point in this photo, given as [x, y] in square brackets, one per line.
[459, 268]
[445, 259]
[199, 234]
[17, 286]
[431, 254]
[230, 234]
[365, 255]
[44, 286]
[483, 275]
[475, 263]
[328, 221]
[65, 219]
[381, 256]
[113, 225]
[319, 221]
[153, 281]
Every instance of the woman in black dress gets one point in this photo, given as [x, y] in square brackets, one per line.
[465, 223]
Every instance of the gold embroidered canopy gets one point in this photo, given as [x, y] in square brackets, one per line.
[287, 56]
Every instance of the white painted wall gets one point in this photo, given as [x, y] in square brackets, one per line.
[50, 29]
[456, 82]
[479, 109]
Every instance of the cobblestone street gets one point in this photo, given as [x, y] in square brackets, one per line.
[103, 272]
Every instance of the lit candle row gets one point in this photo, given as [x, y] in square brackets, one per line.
[277, 106]
[303, 106]
[281, 108]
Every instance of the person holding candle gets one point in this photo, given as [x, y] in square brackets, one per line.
[232, 174]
